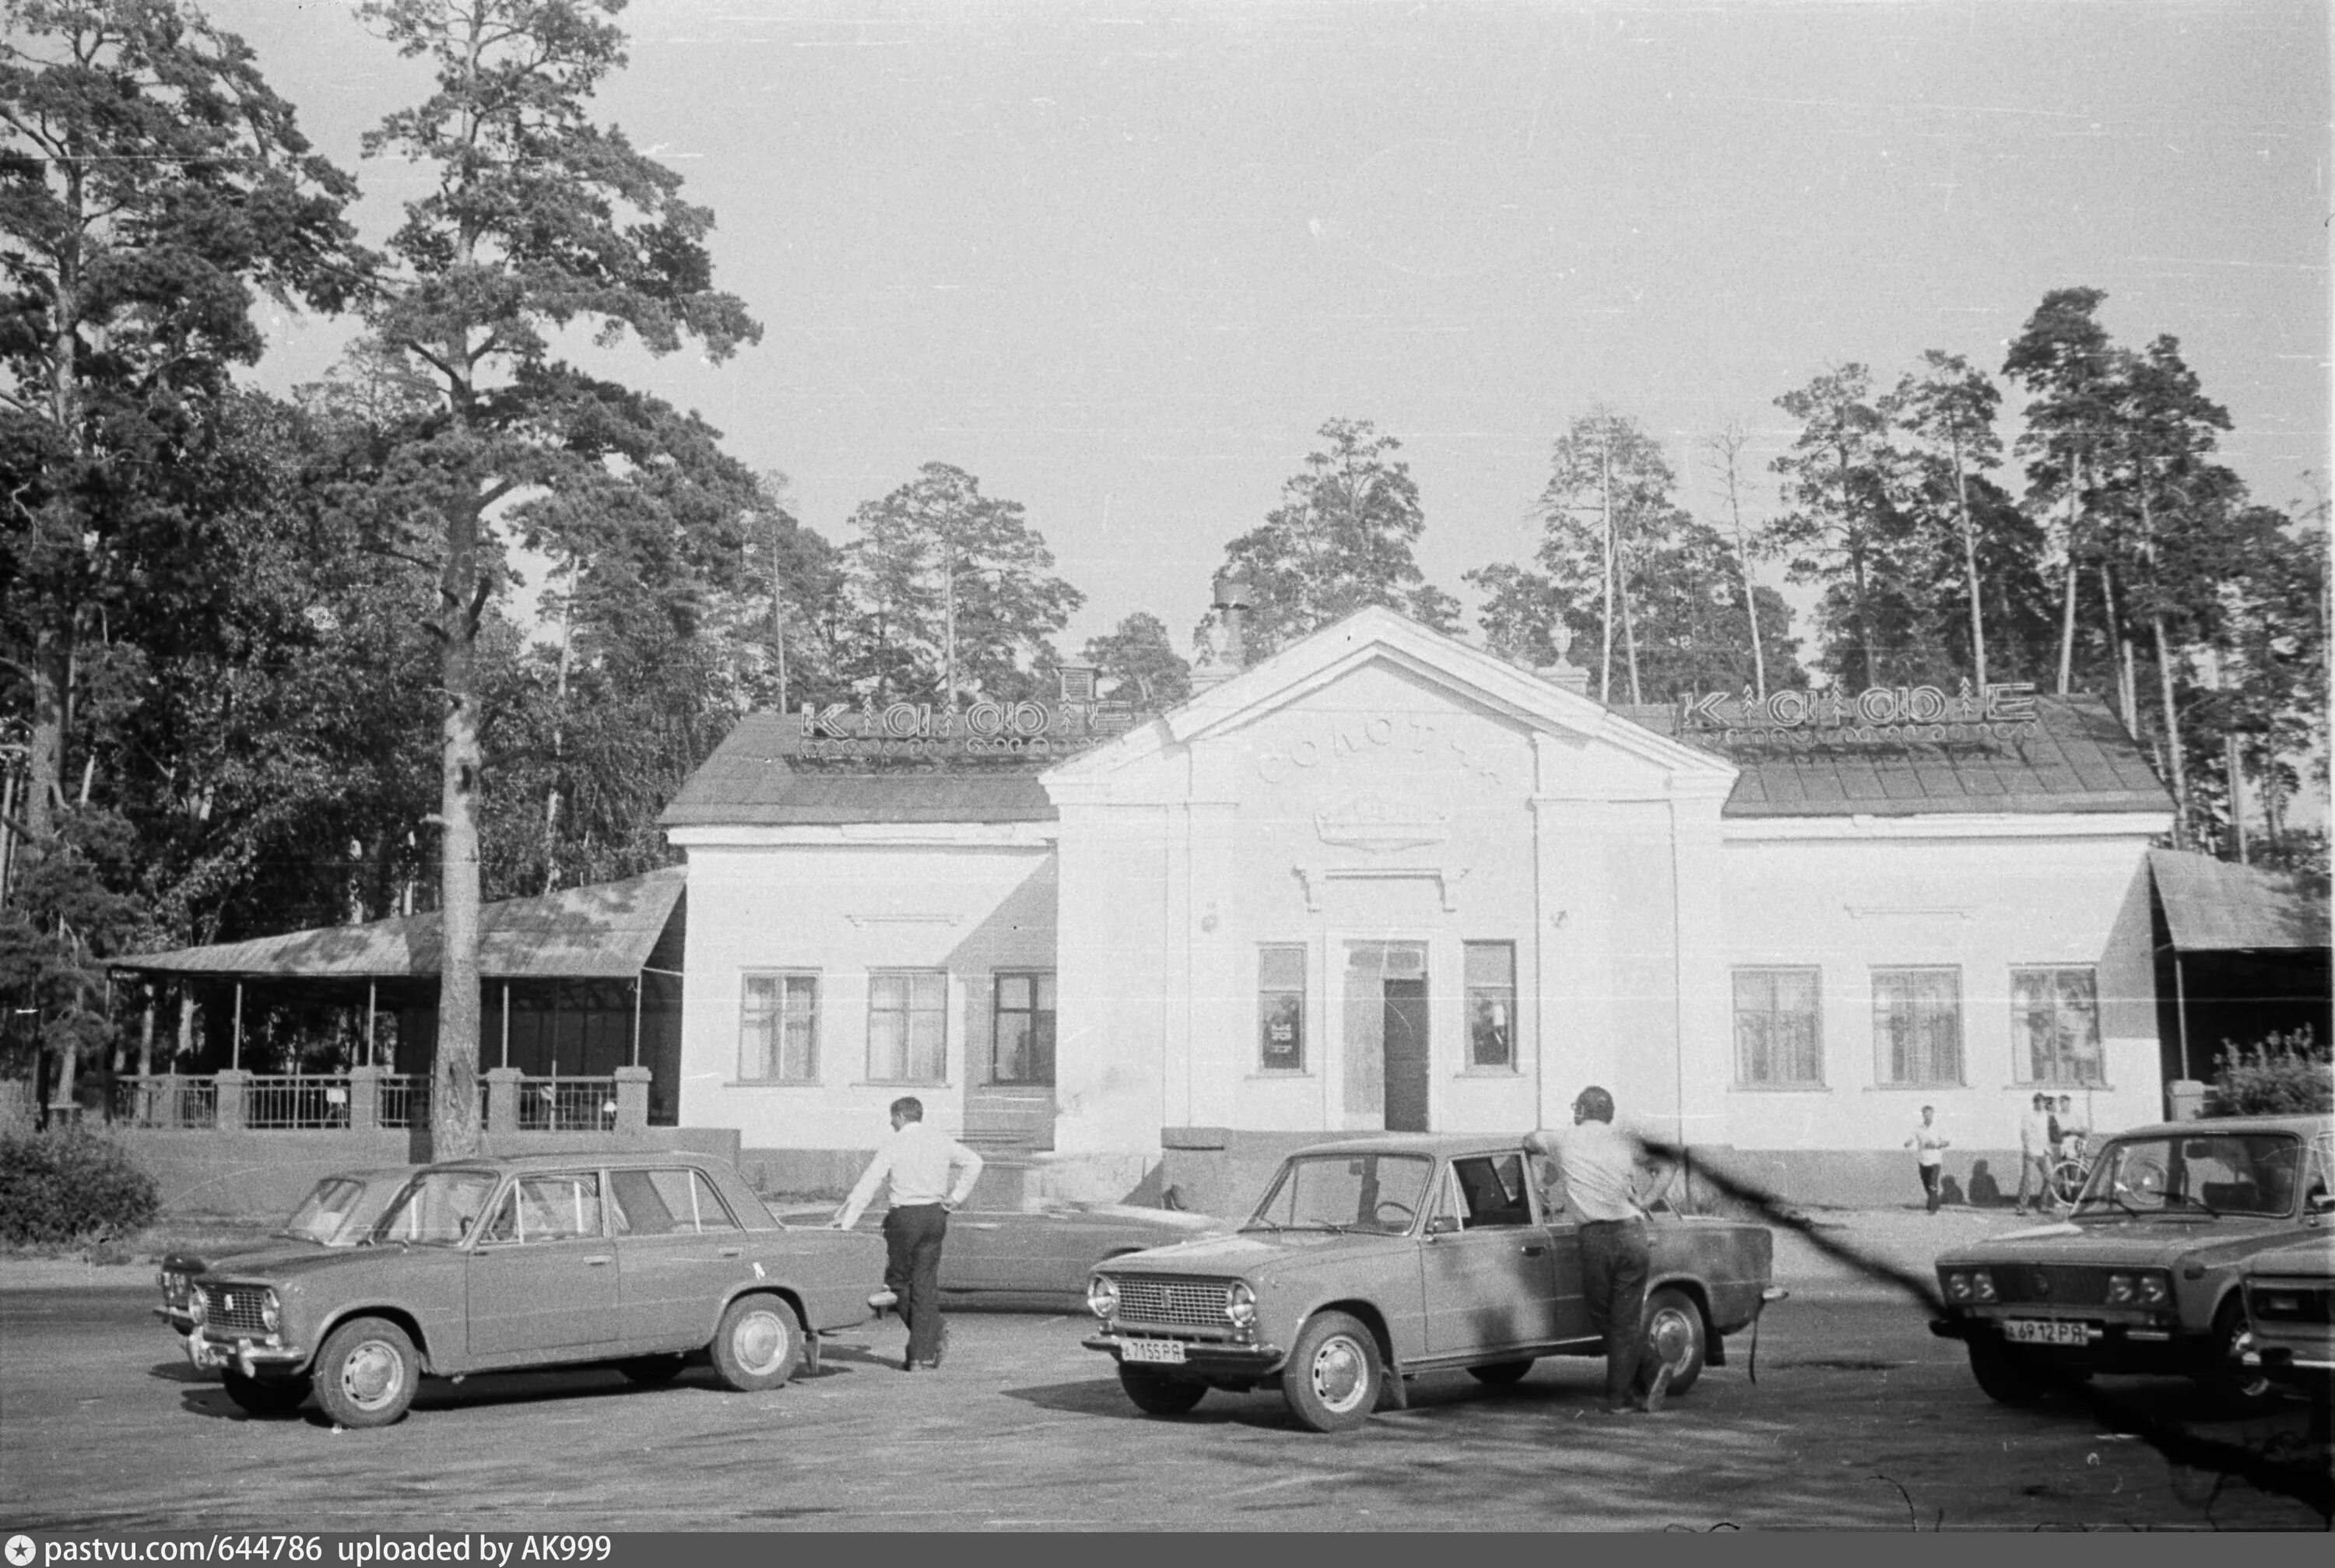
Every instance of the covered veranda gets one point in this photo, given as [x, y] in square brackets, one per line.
[2242, 955]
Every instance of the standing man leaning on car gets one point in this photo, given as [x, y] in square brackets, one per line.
[919, 1161]
[1600, 1167]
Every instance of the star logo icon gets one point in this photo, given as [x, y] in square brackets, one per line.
[20, 1550]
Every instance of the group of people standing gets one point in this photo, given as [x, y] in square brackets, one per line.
[2048, 1133]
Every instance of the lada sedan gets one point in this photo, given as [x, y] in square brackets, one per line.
[338, 1212]
[1369, 1263]
[643, 1260]
[2141, 1276]
[2290, 1296]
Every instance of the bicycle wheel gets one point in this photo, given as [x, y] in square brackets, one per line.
[2068, 1180]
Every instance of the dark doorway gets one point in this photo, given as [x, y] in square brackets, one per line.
[1406, 1055]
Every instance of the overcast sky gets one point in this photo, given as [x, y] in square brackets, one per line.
[1122, 261]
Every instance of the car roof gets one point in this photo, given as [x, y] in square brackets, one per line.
[570, 1159]
[1446, 1145]
[2305, 1126]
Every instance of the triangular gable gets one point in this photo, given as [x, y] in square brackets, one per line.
[1368, 635]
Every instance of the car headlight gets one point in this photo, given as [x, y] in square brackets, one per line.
[1983, 1285]
[271, 1313]
[199, 1305]
[1102, 1296]
[2120, 1291]
[1958, 1286]
[2155, 1290]
[1240, 1305]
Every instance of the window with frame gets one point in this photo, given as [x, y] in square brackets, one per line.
[1489, 972]
[778, 1028]
[1281, 1007]
[562, 1207]
[665, 1202]
[2055, 1025]
[907, 1025]
[1779, 1029]
[1917, 1027]
[1022, 1048]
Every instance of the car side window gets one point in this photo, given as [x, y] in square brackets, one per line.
[557, 1207]
[713, 1213]
[1551, 1181]
[660, 1203]
[1492, 1191]
[1445, 1215]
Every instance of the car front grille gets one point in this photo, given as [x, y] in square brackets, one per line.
[2050, 1284]
[233, 1311]
[1173, 1304]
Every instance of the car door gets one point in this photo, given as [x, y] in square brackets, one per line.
[679, 1250]
[1487, 1261]
[543, 1271]
[1569, 1307]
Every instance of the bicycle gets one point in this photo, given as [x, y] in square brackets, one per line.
[2070, 1171]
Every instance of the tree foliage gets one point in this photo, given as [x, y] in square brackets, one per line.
[1139, 664]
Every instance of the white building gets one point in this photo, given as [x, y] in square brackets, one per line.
[1384, 880]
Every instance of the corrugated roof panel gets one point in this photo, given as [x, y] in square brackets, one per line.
[2214, 906]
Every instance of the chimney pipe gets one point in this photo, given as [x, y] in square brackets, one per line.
[1231, 606]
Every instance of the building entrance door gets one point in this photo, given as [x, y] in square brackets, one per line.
[1387, 1046]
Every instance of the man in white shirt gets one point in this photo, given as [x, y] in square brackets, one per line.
[2035, 1152]
[1929, 1143]
[1600, 1168]
[930, 1173]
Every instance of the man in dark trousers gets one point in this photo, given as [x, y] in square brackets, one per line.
[1599, 1164]
[920, 1162]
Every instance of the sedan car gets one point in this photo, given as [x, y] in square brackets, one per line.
[1369, 1263]
[643, 1260]
[338, 1212]
[2290, 1296]
[2142, 1275]
[1042, 1255]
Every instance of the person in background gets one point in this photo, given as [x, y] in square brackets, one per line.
[2072, 1130]
[2035, 1152]
[1599, 1165]
[919, 1162]
[1929, 1143]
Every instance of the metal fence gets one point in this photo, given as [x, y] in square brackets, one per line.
[566, 1104]
[166, 1101]
[282, 1101]
[404, 1099]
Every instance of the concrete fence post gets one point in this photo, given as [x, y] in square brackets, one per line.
[364, 1098]
[502, 1098]
[633, 1101]
[232, 1082]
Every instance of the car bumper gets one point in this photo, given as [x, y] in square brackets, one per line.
[249, 1359]
[2107, 1345]
[2309, 1366]
[1206, 1357]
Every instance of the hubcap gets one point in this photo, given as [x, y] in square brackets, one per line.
[1670, 1336]
[373, 1374]
[760, 1341]
[1340, 1373]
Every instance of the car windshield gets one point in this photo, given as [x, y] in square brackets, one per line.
[2205, 1174]
[326, 1211]
[436, 1208]
[1345, 1192]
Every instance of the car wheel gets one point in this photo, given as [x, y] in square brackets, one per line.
[2236, 1388]
[2006, 1376]
[1156, 1395]
[759, 1344]
[1674, 1337]
[367, 1372]
[265, 1395]
[1333, 1379]
[1500, 1374]
[651, 1369]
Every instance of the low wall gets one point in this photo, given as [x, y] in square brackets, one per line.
[263, 1174]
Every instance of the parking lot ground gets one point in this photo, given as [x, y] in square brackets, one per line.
[1859, 1420]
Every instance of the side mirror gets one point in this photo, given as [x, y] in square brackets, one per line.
[1442, 1226]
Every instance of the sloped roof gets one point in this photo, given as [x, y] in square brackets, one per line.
[2079, 760]
[2214, 906]
[756, 777]
[602, 931]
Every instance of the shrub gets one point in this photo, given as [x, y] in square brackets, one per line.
[71, 1186]
[2285, 1075]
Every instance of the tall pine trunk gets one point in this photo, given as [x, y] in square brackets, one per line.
[1970, 564]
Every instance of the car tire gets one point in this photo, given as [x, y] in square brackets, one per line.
[1674, 1334]
[1333, 1378]
[1500, 1374]
[1154, 1393]
[651, 1370]
[265, 1395]
[2234, 1387]
[758, 1345]
[2006, 1376]
[367, 1373]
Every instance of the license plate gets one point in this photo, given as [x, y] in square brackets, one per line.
[2046, 1332]
[1169, 1351]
